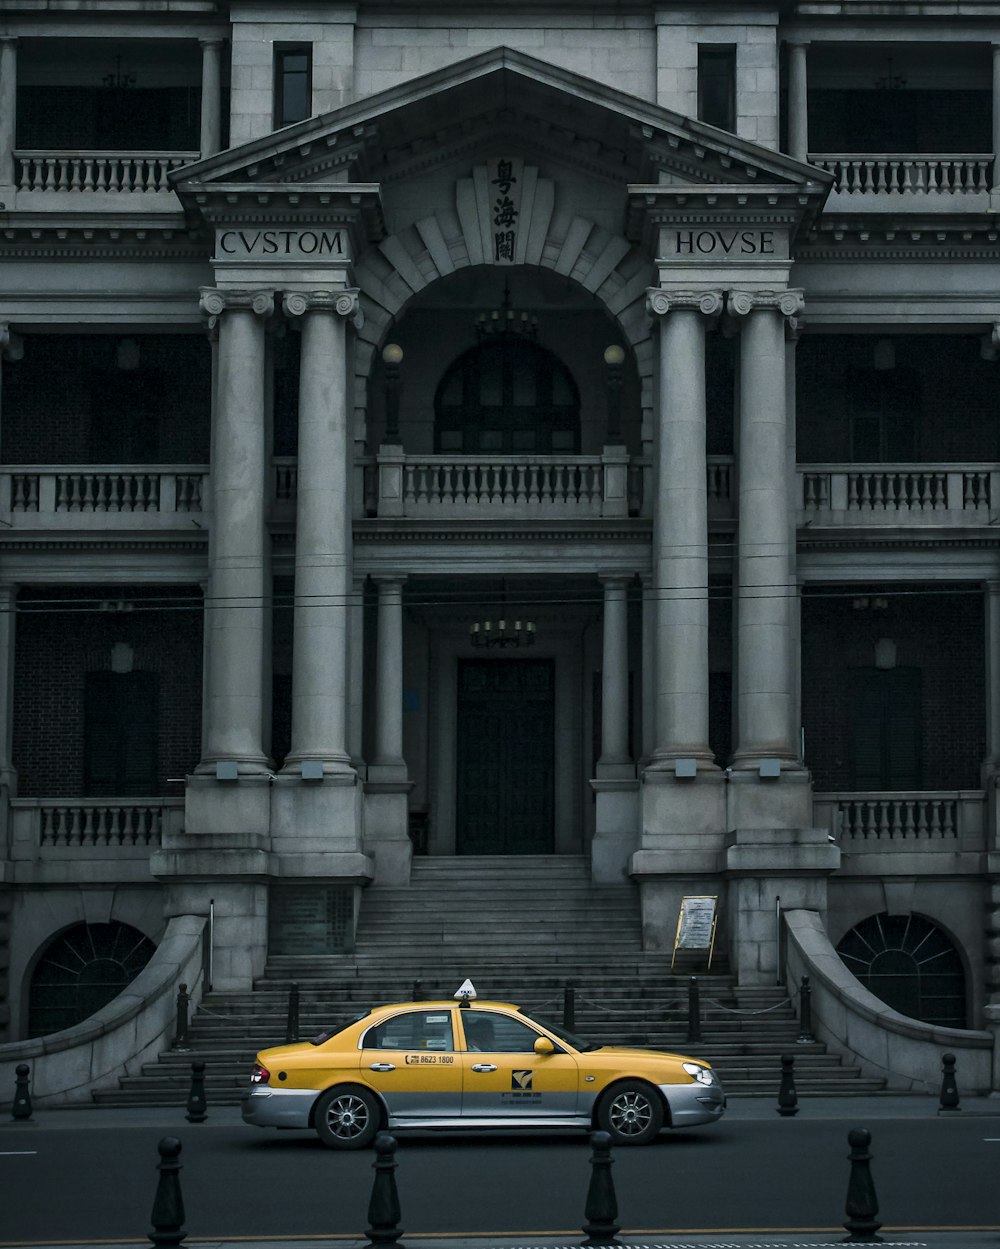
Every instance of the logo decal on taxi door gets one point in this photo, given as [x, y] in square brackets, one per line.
[521, 1079]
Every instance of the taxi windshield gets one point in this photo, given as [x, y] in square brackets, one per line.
[557, 1030]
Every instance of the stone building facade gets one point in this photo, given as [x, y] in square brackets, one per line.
[551, 430]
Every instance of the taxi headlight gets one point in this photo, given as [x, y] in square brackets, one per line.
[698, 1072]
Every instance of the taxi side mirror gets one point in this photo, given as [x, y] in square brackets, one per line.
[544, 1046]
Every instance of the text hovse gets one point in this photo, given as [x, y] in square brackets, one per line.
[724, 242]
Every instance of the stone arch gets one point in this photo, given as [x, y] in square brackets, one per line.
[604, 264]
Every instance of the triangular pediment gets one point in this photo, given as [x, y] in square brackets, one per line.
[500, 97]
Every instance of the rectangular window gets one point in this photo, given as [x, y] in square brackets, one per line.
[292, 83]
[717, 85]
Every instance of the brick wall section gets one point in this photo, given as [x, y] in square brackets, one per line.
[52, 400]
[942, 634]
[54, 650]
[958, 396]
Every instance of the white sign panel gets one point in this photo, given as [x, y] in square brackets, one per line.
[696, 924]
[270, 243]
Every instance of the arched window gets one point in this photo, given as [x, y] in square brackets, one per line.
[909, 964]
[507, 397]
[81, 971]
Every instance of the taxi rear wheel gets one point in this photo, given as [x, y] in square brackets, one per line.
[347, 1118]
[631, 1113]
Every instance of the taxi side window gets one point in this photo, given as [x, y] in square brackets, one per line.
[415, 1030]
[497, 1034]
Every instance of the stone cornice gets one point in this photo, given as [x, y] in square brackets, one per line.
[59, 238]
[356, 205]
[375, 531]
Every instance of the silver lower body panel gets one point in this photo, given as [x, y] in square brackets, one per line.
[695, 1103]
[277, 1108]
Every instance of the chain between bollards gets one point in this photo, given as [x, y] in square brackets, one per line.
[862, 1204]
[694, 1010]
[601, 1211]
[949, 1085]
[788, 1098]
[167, 1217]
[292, 1020]
[197, 1105]
[181, 1031]
[383, 1208]
[21, 1107]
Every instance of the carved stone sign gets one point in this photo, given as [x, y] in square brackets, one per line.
[309, 919]
[720, 243]
[270, 243]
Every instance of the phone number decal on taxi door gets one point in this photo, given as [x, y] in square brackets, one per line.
[424, 1060]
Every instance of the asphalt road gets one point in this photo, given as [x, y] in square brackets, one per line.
[97, 1183]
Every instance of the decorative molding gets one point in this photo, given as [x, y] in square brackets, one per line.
[343, 302]
[660, 302]
[214, 303]
[789, 302]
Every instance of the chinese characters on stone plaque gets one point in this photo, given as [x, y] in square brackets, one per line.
[505, 179]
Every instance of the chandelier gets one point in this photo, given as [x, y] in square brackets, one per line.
[502, 630]
[505, 320]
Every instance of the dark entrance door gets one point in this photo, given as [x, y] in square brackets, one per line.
[506, 726]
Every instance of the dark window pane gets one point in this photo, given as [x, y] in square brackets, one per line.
[717, 86]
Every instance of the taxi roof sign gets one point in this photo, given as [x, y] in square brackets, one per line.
[466, 991]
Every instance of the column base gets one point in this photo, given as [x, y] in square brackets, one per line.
[387, 833]
[616, 828]
[314, 822]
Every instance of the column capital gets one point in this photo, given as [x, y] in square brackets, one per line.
[211, 41]
[788, 302]
[214, 302]
[797, 41]
[11, 344]
[660, 302]
[8, 40]
[345, 303]
[390, 579]
[613, 579]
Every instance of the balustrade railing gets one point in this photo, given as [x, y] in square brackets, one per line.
[899, 490]
[100, 173]
[879, 174]
[441, 481]
[43, 825]
[103, 489]
[883, 819]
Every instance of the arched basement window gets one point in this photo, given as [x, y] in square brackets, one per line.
[909, 964]
[507, 397]
[81, 971]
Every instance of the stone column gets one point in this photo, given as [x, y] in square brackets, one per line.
[239, 557]
[389, 679]
[766, 592]
[211, 96]
[680, 531]
[8, 109]
[356, 674]
[991, 765]
[8, 621]
[798, 101]
[648, 683]
[615, 761]
[323, 573]
[996, 123]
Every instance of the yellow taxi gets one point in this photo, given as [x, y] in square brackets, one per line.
[470, 1064]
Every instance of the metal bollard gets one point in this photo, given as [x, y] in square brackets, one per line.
[181, 1033]
[862, 1204]
[805, 1013]
[292, 1020]
[602, 1205]
[167, 1217]
[569, 1006]
[694, 1010]
[949, 1085]
[383, 1208]
[788, 1098]
[197, 1106]
[21, 1107]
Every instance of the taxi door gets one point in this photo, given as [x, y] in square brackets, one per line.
[503, 1077]
[410, 1059]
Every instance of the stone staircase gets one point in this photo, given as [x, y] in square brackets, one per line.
[521, 929]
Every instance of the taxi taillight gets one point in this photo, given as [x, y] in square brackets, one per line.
[259, 1075]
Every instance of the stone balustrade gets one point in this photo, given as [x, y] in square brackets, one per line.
[99, 173]
[40, 496]
[898, 493]
[43, 826]
[919, 178]
[884, 821]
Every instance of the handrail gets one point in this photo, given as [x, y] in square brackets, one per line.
[97, 172]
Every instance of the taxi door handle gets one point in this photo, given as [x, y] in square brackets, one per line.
[484, 1066]
[383, 1067]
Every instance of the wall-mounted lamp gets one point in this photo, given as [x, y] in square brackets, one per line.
[392, 358]
[614, 358]
[127, 355]
[885, 654]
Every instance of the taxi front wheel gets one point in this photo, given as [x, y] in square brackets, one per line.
[347, 1118]
[631, 1113]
